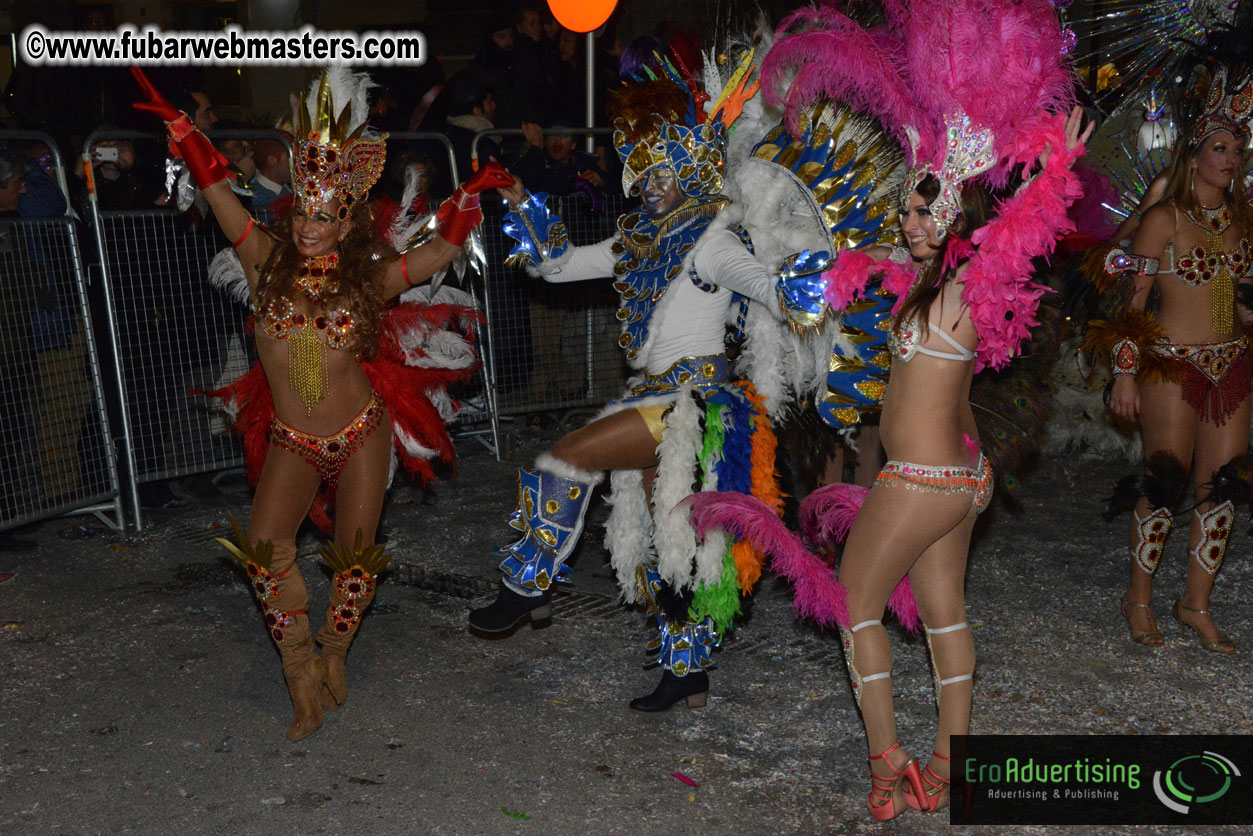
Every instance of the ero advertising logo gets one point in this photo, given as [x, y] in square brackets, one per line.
[1193, 780]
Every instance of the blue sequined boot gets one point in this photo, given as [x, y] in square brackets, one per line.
[550, 517]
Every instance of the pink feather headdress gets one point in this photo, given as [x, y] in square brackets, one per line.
[971, 88]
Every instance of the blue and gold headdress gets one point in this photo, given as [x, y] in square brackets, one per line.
[662, 122]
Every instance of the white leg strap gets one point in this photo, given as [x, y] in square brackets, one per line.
[875, 676]
[965, 625]
[872, 623]
[940, 683]
[953, 679]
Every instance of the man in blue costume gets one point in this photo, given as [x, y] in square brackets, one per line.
[684, 421]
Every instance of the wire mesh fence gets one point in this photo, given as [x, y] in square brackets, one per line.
[553, 347]
[102, 379]
[175, 335]
[55, 450]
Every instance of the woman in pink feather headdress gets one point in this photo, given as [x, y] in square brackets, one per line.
[978, 90]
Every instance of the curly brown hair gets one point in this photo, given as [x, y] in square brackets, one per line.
[363, 260]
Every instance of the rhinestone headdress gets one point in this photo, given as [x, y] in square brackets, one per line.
[968, 152]
[335, 156]
[1225, 110]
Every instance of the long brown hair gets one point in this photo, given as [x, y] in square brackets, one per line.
[363, 258]
[976, 210]
[1179, 184]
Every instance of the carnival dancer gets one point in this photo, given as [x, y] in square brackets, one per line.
[1183, 371]
[680, 270]
[978, 97]
[332, 394]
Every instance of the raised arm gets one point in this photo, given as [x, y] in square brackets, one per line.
[210, 171]
[456, 219]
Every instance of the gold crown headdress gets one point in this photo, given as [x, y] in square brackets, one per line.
[1225, 111]
[336, 156]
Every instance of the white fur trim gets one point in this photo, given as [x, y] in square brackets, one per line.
[549, 266]
[679, 453]
[447, 408]
[628, 531]
[549, 463]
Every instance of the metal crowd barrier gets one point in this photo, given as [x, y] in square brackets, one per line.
[553, 347]
[72, 443]
[478, 418]
[56, 452]
[169, 330]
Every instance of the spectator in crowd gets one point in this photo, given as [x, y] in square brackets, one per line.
[532, 70]
[243, 165]
[494, 63]
[471, 105]
[273, 180]
[239, 152]
[551, 162]
[401, 169]
[196, 104]
[118, 181]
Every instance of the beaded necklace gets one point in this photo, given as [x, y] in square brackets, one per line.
[316, 273]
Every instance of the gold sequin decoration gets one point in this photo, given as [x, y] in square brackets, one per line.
[574, 493]
[306, 368]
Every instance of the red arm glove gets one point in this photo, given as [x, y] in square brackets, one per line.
[460, 214]
[204, 162]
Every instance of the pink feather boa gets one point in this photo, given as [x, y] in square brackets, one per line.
[828, 513]
[847, 277]
[997, 284]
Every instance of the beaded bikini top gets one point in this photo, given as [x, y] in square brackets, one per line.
[1213, 262]
[307, 335]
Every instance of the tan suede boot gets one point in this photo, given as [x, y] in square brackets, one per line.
[352, 590]
[279, 586]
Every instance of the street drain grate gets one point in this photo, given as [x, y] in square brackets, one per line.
[436, 580]
[566, 605]
[189, 532]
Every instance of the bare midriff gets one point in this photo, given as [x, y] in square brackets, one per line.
[347, 388]
[926, 409]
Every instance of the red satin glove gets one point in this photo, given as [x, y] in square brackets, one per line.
[491, 176]
[460, 214]
[206, 164]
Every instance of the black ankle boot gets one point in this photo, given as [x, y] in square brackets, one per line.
[510, 609]
[694, 686]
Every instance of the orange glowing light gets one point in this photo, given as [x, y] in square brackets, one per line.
[582, 15]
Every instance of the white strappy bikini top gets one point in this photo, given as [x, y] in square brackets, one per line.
[904, 343]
